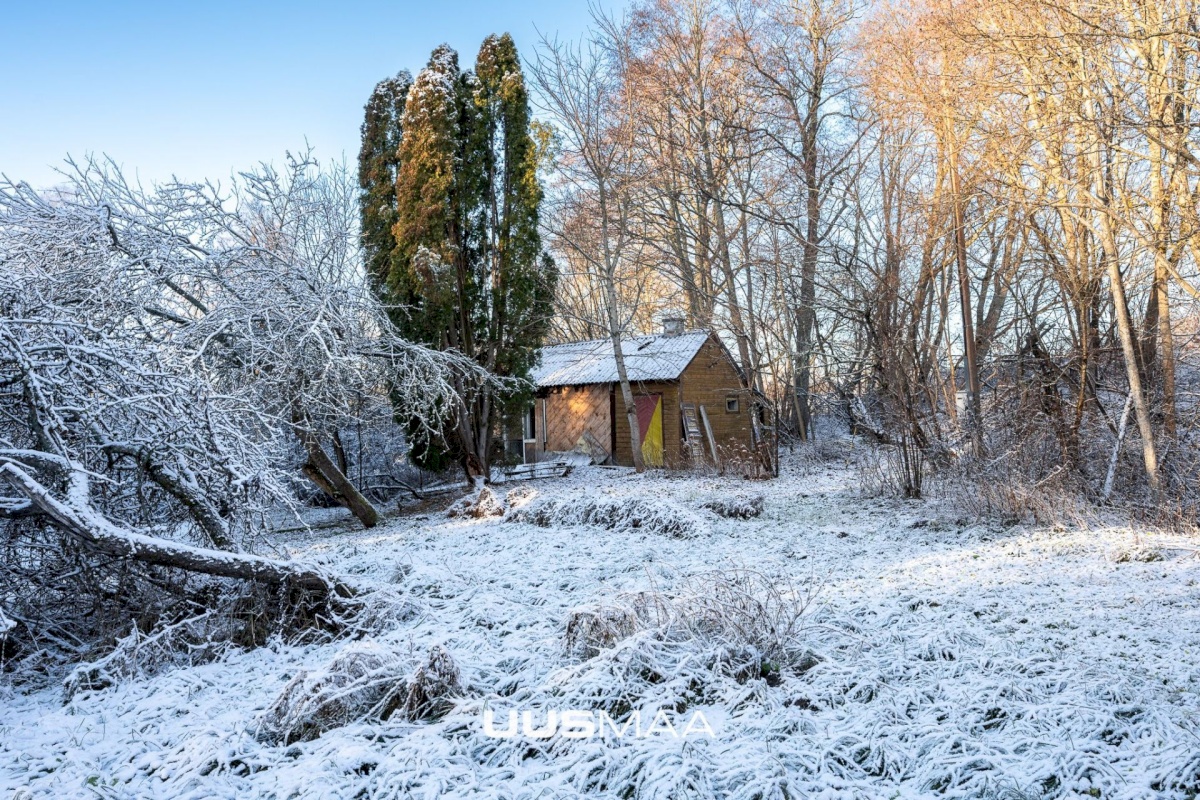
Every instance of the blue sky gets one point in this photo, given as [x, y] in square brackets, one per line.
[198, 89]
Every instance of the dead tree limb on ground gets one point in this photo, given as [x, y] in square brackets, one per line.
[75, 516]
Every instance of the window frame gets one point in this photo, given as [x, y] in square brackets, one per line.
[529, 423]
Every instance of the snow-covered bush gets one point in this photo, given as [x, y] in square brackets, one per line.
[191, 641]
[736, 611]
[1008, 495]
[363, 681]
[592, 629]
[745, 608]
[736, 507]
[480, 505]
[433, 688]
[654, 515]
[366, 682]
[1136, 552]
[816, 454]
[893, 470]
[520, 496]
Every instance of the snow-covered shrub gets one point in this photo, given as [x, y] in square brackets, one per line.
[590, 630]
[481, 505]
[737, 507]
[434, 687]
[1005, 492]
[738, 611]
[520, 496]
[893, 470]
[191, 641]
[745, 608]
[819, 453]
[637, 672]
[751, 463]
[380, 610]
[650, 608]
[364, 682]
[361, 682]
[166, 633]
[654, 515]
[1135, 552]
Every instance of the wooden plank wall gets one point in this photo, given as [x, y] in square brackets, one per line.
[569, 412]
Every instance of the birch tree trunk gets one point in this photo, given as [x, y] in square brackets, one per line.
[609, 278]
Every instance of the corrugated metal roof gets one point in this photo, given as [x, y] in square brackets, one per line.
[647, 358]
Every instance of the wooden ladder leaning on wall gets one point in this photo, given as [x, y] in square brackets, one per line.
[691, 433]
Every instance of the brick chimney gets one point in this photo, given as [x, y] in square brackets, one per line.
[672, 326]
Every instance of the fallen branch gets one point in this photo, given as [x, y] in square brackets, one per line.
[402, 485]
[76, 517]
[17, 508]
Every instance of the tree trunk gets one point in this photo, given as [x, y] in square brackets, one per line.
[77, 518]
[630, 405]
[806, 318]
[339, 452]
[325, 474]
[974, 406]
[609, 279]
[1128, 343]
[1166, 339]
[1116, 452]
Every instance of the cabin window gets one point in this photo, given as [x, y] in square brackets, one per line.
[731, 405]
[530, 424]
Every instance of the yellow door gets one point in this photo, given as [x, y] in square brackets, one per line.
[649, 414]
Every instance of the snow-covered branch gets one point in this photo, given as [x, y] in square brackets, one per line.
[184, 353]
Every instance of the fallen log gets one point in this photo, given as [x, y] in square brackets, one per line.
[75, 516]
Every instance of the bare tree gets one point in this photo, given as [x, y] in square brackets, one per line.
[581, 87]
[163, 352]
[799, 61]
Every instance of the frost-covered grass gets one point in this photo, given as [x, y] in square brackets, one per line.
[929, 658]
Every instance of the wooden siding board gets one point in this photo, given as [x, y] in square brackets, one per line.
[569, 412]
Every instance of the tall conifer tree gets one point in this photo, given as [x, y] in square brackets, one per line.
[378, 159]
[521, 279]
[435, 241]
[468, 271]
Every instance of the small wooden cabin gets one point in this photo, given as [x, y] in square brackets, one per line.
[693, 403]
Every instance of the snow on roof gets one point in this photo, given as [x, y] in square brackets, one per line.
[647, 358]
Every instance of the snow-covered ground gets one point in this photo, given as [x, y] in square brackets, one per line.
[946, 660]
